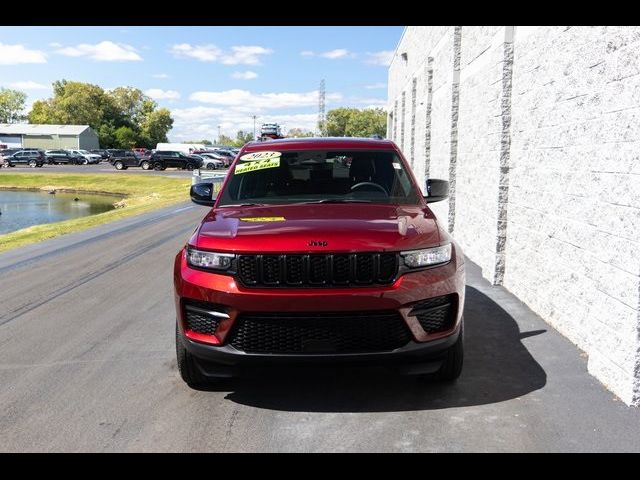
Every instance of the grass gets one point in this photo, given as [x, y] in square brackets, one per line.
[140, 193]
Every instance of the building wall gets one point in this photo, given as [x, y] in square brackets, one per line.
[11, 141]
[538, 130]
[88, 140]
[49, 142]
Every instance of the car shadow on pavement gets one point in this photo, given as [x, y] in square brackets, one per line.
[497, 367]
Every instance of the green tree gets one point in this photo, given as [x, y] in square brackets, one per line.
[353, 122]
[367, 122]
[299, 132]
[224, 140]
[11, 105]
[125, 137]
[336, 123]
[106, 112]
[242, 138]
[154, 127]
[203, 142]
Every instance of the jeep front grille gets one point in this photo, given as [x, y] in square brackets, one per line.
[317, 270]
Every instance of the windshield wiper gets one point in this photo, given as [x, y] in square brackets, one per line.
[338, 200]
[243, 205]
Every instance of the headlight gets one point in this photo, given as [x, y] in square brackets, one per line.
[427, 257]
[211, 260]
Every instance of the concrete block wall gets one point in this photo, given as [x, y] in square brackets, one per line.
[538, 129]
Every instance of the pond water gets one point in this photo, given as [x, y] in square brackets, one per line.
[21, 209]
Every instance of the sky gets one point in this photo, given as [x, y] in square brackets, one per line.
[210, 76]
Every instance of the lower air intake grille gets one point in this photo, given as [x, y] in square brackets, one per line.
[436, 314]
[319, 333]
[198, 320]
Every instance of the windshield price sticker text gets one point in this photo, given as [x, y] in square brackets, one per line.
[257, 165]
[250, 157]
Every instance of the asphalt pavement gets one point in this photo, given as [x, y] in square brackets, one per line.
[87, 363]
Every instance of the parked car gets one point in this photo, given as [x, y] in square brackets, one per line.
[163, 159]
[128, 158]
[212, 161]
[55, 157]
[32, 157]
[226, 156]
[102, 152]
[303, 259]
[89, 157]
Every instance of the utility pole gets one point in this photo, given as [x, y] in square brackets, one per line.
[321, 101]
[254, 126]
[219, 134]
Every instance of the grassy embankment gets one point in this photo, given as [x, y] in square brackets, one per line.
[139, 193]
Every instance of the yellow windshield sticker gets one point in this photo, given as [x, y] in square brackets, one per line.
[250, 157]
[257, 165]
[263, 219]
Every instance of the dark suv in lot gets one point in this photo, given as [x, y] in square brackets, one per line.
[32, 157]
[161, 160]
[319, 250]
[123, 159]
[55, 157]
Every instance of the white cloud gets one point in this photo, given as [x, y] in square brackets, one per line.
[159, 94]
[376, 86]
[203, 122]
[55, 45]
[204, 53]
[28, 85]
[239, 55]
[105, 51]
[16, 54]
[307, 53]
[259, 101]
[245, 55]
[337, 53]
[382, 57]
[366, 102]
[160, 75]
[248, 75]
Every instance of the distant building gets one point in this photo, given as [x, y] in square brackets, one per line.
[16, 135]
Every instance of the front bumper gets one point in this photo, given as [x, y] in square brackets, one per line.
[221, 359]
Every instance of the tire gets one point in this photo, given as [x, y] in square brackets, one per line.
[118, 165]
[211, 166]
[33, 163]
[190, 166]
[158, 166]
[454, 358]
[85, 162]
[187, 365]
[145, 165]
[40, 165]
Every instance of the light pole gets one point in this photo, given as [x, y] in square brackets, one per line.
[254, 126]
[219, 134]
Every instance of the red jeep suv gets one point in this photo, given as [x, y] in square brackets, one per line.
[319, 250]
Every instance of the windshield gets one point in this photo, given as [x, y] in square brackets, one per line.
[319, 176]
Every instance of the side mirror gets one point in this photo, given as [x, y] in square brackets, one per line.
[437, 190]
[203, 194]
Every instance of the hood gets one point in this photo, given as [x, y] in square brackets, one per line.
[317, 228]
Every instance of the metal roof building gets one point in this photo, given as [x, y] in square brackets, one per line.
[47, 136]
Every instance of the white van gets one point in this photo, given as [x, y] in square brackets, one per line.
[185, 148]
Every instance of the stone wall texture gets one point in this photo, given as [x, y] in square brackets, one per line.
[538, 131]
